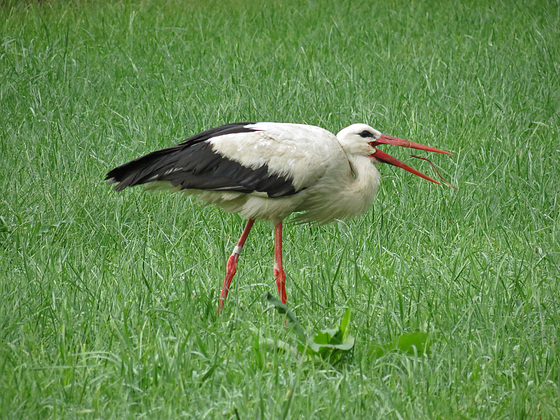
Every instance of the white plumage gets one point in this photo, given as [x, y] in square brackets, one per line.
[270, 170]
[325, 177]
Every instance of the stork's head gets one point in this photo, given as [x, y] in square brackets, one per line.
[362, 140]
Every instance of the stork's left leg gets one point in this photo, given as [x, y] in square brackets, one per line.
[279, 274]
[231, 267]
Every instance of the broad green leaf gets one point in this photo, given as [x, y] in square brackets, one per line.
[345, 325]
[409, 341]
[328, 343]
[322, 337]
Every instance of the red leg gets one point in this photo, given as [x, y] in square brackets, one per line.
[231, 267]
[279, 274]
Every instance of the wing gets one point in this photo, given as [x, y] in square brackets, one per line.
[298, 152]
[271, 158]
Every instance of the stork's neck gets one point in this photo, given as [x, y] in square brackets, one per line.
[364, 183]
[355, 194]
[343, 197]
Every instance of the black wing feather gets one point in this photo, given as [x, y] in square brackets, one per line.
[194, 164]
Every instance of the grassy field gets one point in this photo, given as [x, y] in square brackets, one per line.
[107, 301]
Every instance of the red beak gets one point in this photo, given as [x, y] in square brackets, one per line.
[385, 158]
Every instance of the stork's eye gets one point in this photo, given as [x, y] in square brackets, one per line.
[366, 133]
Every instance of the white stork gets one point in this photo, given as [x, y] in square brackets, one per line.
[268, 171]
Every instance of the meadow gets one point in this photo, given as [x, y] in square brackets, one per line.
[108, 300]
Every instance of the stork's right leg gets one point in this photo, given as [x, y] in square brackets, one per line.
[279, 274]
[231, 267]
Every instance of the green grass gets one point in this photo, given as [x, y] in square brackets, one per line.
[107, 301]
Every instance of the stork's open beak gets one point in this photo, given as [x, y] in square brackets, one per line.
[385, 158]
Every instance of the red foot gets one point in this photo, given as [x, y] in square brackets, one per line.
[280, 277]
[231, 269]
[279, 274]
